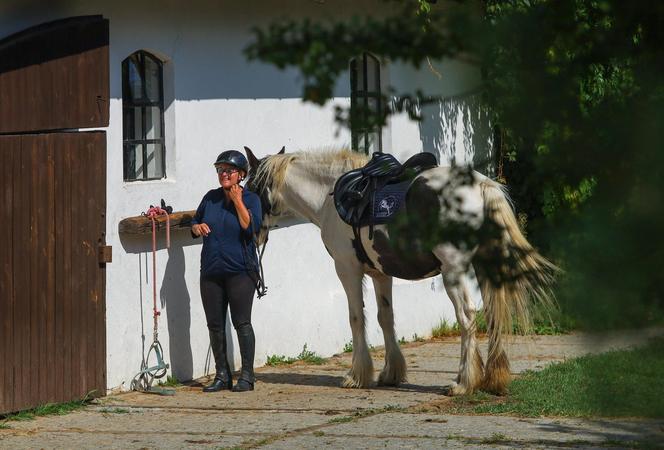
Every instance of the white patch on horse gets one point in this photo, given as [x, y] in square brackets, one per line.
[466, 200]
[373, 256]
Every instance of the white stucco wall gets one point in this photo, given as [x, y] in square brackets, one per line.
[219, 101]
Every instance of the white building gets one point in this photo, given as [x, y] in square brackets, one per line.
[212, 99]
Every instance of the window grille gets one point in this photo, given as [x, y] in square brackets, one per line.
[143, 117]
[366, 104]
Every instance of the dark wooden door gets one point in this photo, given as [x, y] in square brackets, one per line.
[55, 76]
[52, 221]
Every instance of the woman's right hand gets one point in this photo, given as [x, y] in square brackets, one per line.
[201, 229]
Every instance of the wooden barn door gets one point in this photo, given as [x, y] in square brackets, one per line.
[53, 78]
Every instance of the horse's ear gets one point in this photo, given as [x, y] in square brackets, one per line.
[253, 161]
[282, 151]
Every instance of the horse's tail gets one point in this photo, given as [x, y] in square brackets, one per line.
[508, 297]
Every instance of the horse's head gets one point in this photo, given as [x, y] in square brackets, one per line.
[261, 182]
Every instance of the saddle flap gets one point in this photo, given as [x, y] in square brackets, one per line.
[388, 201]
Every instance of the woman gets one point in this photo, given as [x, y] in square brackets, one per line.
[227, 219]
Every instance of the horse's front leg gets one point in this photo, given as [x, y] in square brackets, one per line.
[394, 371]
[361, 372]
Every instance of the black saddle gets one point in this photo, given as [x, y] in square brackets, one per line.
[373, 194]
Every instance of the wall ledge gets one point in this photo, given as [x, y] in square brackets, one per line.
[179, 220]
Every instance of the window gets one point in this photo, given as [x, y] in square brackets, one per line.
[143, 117]
[365, 104]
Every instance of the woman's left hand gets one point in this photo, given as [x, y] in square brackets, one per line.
[235, 194]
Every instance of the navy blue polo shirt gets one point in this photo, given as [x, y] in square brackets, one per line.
[227, 249]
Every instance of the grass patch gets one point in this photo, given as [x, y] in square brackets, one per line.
[495, 438]
[310, 357]
[366, 412]
[278, 360]
[444, 329]
[305, 355]
[4, 426]
[417, 338]
[348, 347]
[544, 323]
[171, 381]
[115, 411]
[342, 419]
[552, 323]
[48, 409]
[623, 383]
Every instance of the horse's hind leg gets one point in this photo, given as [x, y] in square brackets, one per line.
[456, 279]
[361, 372]
[497, 369]
[394, 371]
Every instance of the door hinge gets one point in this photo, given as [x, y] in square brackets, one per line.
[105, 254]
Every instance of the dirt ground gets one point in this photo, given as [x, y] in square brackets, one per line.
[302, 406]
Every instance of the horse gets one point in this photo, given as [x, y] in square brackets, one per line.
[300, 184]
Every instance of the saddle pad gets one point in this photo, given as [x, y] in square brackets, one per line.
[388, 201]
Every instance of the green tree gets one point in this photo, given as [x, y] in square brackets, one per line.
[576, 91]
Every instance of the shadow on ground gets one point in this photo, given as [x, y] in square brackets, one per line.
[319, 380]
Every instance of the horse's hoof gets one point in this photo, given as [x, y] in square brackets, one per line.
[351, 383]
[455, 389]
[385, 379]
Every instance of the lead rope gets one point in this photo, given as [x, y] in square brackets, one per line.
[152, 213]
[144, 379]
[261, 289]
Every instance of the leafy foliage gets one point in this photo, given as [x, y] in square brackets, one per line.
[577, 101]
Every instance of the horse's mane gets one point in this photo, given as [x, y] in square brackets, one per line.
[323, 163]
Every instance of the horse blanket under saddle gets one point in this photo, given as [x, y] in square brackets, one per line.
[373, 194]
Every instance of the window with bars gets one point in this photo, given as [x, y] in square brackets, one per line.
[365, 104]
[143, 117]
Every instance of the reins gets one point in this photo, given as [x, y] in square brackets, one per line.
[261, 288]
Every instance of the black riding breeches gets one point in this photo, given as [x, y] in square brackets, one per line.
[218, 293]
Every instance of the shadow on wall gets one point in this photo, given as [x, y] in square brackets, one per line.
[458, 132]
[174, 297]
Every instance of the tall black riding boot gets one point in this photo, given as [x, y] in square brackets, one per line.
[247, 341]
[223, 378]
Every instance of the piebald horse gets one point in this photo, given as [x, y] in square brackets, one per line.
[300, 184]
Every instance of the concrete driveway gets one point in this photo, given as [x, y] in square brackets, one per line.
[301, 406]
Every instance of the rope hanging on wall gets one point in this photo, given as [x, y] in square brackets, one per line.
[143, 380]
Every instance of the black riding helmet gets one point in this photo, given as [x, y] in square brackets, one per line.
[234, 158]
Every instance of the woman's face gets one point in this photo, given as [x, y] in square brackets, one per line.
[228, 175]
